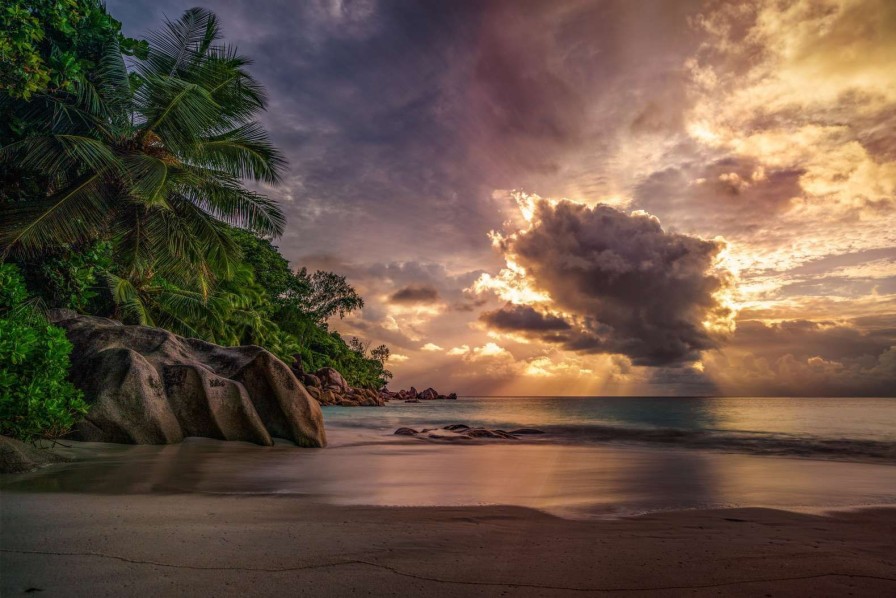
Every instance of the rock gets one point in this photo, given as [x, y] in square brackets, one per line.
[405, 432]
[18, 457]
[328, 397]
[330, 378]
[314, 392]
[465, 432]
[524, 431]
[428, 395]
[311, 381]
[450, 437]
[483, 433]
[456, 427]
[452, 396]
[148, 386]
[412, 400]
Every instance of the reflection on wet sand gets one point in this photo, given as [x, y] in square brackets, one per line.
[571, 481]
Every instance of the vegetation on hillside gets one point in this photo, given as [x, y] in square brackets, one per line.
[123, 179]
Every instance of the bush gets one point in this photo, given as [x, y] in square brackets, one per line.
[72, 278]
[36, 400]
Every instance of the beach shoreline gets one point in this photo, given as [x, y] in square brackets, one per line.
[199, 544]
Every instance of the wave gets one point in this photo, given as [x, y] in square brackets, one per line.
[746, 442]
[842, 449]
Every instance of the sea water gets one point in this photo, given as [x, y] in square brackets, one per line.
[858, 429]
[599, 457]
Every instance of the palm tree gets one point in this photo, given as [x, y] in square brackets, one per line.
[154, 160]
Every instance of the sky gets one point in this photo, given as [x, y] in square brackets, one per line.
[591, 197]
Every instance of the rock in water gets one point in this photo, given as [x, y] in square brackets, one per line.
[428, 395]
[149, 386]
[18, 457]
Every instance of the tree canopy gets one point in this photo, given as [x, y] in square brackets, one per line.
[126, 171]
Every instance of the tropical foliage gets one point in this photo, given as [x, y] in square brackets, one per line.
[52, 44]
[36, 401]
[153, 162]
[296, 307]
[125, 173]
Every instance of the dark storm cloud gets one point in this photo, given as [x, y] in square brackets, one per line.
[415, 294]
[634, 289]
[523, 318]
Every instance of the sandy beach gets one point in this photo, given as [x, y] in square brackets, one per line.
[376, 514]
[205, 545]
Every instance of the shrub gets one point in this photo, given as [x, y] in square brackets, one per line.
[72, 278]
[36, 400]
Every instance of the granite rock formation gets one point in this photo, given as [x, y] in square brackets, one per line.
[149, 386]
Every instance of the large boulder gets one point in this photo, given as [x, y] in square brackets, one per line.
[149, 386]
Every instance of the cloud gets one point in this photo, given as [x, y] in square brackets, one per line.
[398, 358]
[800, 358]
[431, 347]
[522, 318]
[629, 287]
[415, 294]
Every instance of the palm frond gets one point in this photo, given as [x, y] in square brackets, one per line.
[128, 299]
[193, 237]
[222, 71]
[179, 43]
[226, 199]
[146, 177]
[134, 243]
[176, 111]
[74, 214]
[114, 86]
[60, 154]
[190, 313]
[244, 152]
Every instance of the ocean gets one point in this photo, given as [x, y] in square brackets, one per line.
[599, 457]
[855, 429]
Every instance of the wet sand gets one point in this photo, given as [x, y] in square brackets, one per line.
[209, 518]
[207, 545]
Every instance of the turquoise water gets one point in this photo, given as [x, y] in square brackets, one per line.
[836, 428]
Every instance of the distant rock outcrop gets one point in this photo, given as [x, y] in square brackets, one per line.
[412, 396]
[148, 386]
[328, 387]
